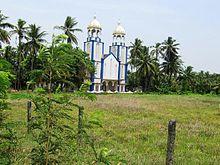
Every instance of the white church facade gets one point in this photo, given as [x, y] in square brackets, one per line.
[111, 68]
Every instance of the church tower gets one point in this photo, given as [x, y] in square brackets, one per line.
[120, 50]
[95, 48]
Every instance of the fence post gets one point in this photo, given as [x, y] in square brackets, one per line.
[171, 141]
[28, 115]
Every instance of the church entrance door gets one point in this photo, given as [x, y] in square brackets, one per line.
[112, 86]
[104, 86]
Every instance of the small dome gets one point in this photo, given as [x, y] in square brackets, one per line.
[94, 24]
[119, 30]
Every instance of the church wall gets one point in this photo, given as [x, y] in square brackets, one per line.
[88, 48]
[97, 81]
[110, 68]
[122, 73]
[123, 55]
[98, 51]
[120, 52]
[98, 69]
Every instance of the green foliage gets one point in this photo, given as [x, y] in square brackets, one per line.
[5, 65]
[4, 83]
[82, 92]
[53, 130]
[50, 127]
[7, 135]
[60, 64]
[133, 83]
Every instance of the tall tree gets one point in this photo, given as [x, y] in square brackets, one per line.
[145, 67]
[157, 50]
[69, 29]
[20, 30]
[171, 65]
[4, 35]
[34, 41]
[187, 79]
[136, 49]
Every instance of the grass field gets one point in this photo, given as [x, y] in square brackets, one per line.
[135, 126]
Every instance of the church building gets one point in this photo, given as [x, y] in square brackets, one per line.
[111, 67]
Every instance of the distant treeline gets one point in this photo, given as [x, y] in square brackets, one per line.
[160, 69]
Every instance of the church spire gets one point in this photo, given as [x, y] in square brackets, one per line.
[119, 34]
[94, 28]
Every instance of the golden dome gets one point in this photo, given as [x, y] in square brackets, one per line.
[94, 24]
[119, 30]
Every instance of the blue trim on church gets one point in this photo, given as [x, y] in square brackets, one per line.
[126, 55]
[126, 72]
[84, 46]
[106, 56]
[119, 75]
[103, 48]
[118, 51]
[102, 68]
[110, 49]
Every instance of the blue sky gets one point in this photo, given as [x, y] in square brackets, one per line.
[193, 23]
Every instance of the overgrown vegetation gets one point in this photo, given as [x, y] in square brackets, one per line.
[7, 134]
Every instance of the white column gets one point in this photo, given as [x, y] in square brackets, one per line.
[99, 89]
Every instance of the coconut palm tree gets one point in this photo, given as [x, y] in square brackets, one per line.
[136, 48]
[187, 79]
[172, 62]
[35, 40]
[4, 35]
[69, 29]
[145, 65]
[157, 50]
[20, 30]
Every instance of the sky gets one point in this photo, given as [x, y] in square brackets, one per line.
[194, 24]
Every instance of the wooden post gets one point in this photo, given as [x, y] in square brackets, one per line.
[171, 141]
[28, 115]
